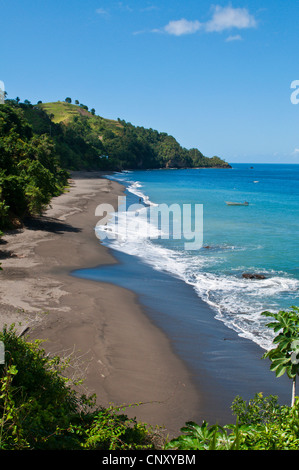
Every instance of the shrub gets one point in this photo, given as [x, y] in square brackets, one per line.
[39, 408]
[261, 424]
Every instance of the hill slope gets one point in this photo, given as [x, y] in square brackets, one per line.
[39, 143]
[83, 138]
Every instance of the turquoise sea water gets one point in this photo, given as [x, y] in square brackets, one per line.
[259, 238]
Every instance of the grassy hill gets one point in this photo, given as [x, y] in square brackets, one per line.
[39, 143]
[82, 138]
[63, 112]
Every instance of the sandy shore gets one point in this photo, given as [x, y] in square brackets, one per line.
[121, 355]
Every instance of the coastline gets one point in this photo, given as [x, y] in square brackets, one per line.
[223, 363]
[123, 357]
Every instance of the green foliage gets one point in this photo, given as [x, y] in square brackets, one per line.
[37, 392]
[4, 211]
[62, 136]
[39, 408]
[30, 171]
[284, 356]
[128, 146]
[205, 437]
[258, 410]
[111, 430]
[10, 430]
[272, 427]
[261, 425]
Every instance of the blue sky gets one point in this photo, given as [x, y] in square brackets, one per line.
[215, 75]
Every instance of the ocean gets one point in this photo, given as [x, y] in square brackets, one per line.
[199, 297]
[261, 238]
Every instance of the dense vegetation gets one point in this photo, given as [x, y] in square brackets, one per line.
[262, 424]
[127, 146]
[39, 143]
[40, 409]
[30, 170]
[39, 405]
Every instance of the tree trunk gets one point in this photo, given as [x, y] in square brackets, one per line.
[293, 391]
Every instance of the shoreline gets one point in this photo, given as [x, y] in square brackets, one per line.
[223, 363]
[123, 357]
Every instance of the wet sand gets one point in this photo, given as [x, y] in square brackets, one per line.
[121, 354]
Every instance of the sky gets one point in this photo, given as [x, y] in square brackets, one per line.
[218, 76]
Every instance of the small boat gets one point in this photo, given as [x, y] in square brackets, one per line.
[237, 203]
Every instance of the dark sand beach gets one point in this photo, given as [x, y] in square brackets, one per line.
[130, 342]
[221, 363]
[114, 346]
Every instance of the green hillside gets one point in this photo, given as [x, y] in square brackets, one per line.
[73, 127]
[63, 112]
[31, 172]
[40, 143]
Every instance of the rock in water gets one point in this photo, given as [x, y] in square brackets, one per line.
[253, 276]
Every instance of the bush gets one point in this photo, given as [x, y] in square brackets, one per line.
[262, 424]
[39, 408]
[30, 172]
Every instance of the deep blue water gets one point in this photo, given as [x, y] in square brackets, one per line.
[260, 238]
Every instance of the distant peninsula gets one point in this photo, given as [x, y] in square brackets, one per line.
[84, 140]
[40, 143]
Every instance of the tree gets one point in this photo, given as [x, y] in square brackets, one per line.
[68, 100]
[30, 172]
[285, 356]
[83, 106]
[76, 101]
[93, 111]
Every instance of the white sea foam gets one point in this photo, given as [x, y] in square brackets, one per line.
[133, 186]
[237, 302]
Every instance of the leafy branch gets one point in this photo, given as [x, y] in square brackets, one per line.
[285, 356]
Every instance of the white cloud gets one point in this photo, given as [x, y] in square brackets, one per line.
[228, 17]
[180, 27]
[101, 11]
[223, 19]
[237, 37]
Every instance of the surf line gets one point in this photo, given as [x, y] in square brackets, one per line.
[176, 221]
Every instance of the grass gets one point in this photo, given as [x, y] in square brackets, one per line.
[61, 111]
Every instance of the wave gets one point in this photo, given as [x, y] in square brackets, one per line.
[132, 186]
[236, 301]
[134, 189]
